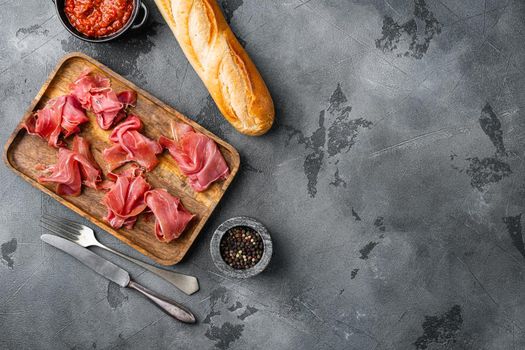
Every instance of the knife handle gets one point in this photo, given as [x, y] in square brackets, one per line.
[187, 284]
[172, 308]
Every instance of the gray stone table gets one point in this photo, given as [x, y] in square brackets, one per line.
[392, 183]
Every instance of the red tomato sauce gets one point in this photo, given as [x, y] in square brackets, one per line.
[98, 18]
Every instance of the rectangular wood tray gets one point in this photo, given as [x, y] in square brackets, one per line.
[23, 152]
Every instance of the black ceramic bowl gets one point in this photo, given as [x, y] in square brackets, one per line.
[135, 22]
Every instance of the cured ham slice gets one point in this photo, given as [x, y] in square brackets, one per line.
[171, 218]
[72, 116]
[107, 108]
[125, 199]
[131, 145]
[74, 167]
[65, 173]
[95, 93]
[89, 168]
[61, 115]
[86, 84]
[197, 155]
[128, 98]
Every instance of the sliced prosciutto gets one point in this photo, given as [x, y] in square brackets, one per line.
[86, 84]
[74, 167]
[89, 168]
[65, 173]
[107, 108]
[60, 116]
[131, 145]
[197, 155]
[72, 116]
[171, 218]
[125, 199]
[128, 98]
[95, 93]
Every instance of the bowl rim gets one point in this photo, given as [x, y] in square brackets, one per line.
[236, 222]
[73, 31]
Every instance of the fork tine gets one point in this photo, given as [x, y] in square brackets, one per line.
[61, 225]
[61, 220]
[55, 229]
[56, 232]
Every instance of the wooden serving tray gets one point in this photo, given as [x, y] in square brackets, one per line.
[23, 152]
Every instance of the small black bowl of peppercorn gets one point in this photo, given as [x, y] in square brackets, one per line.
[241, 247]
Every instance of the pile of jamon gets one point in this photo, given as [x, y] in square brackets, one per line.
[131, 145]
[197, 155]
[131, 195]
[95, 94]
[60, 116]
[74, 168]
[127, 193]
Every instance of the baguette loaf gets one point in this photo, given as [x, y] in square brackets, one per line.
[222, 63]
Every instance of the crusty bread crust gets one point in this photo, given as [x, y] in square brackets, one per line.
[221, 62]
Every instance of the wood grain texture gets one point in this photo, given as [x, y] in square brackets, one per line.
[23, 152]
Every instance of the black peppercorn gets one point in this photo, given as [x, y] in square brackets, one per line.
[241, 247]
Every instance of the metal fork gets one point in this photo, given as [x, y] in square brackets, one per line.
[85, 237]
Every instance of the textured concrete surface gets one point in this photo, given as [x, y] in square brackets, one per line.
[392, 183]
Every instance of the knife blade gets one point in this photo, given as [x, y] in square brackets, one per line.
[100, 265]
[118, 275]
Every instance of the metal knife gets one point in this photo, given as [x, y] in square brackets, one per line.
[120, 276]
